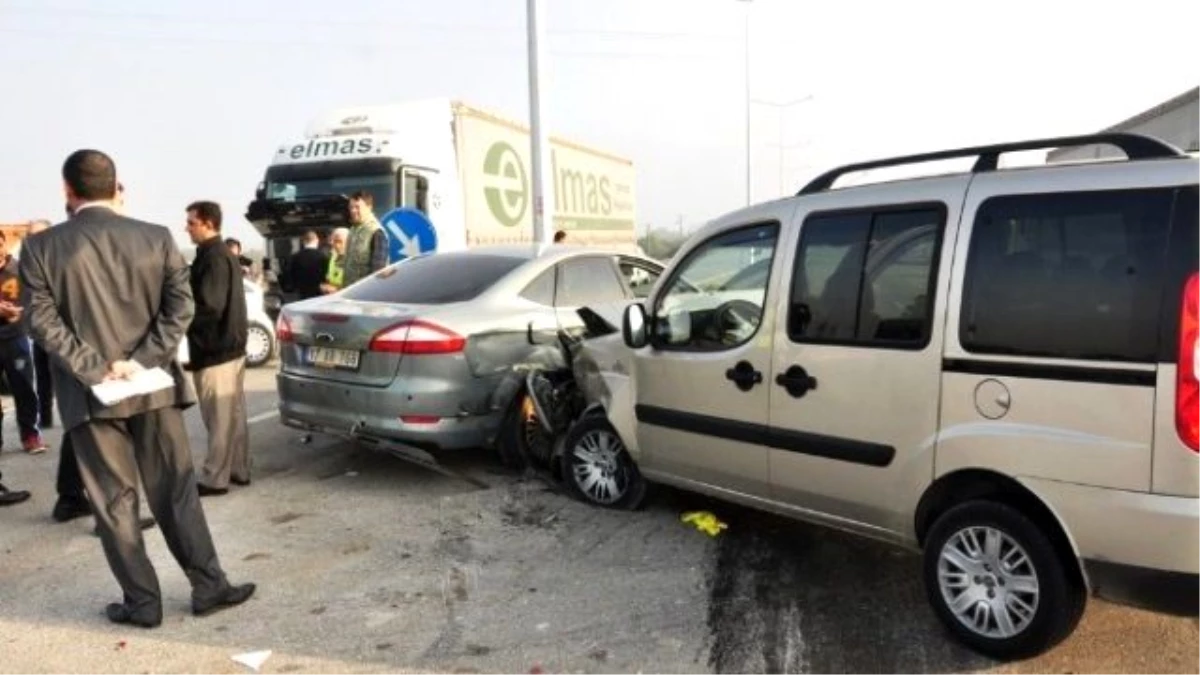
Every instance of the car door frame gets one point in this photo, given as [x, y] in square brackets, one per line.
[748, 480]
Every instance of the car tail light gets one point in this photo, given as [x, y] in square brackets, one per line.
[417, 337]
[1187, 390]
[283, 329]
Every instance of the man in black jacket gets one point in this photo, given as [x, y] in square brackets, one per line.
[307, 268]
[217, 351]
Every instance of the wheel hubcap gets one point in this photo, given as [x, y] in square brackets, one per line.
[988, 581]
[258, 345]
[597, 467]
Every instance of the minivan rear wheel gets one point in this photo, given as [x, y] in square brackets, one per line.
[997, 583]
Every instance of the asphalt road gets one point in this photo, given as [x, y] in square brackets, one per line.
[369, 564]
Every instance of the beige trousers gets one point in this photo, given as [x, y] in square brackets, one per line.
[221, 390]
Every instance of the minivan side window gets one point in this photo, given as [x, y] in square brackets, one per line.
[867, 278]
[1074, 275]
[711, 303]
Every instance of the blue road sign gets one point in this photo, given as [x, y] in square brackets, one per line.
[410, 233]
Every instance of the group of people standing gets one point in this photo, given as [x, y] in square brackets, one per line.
[349, 254]
[106, 297]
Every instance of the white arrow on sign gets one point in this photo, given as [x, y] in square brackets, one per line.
[410, 245]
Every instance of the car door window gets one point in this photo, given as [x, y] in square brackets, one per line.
[866, 278]
[709, 304]
[586, 281]
[541, 289]
[640, 278]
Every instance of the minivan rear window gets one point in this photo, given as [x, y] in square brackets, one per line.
[437, 279]
[1074, 275]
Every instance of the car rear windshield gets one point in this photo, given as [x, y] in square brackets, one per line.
[434, 280]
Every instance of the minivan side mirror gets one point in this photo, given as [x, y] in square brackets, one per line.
[260, 192]
[633, 326]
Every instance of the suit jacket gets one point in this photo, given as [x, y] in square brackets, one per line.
[306, 272]
[101, 288]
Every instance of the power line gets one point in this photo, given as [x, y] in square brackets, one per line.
[514, 29]
[406, 46]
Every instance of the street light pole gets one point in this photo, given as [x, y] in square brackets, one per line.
[543, 199]
[782, 107]
[746, 62]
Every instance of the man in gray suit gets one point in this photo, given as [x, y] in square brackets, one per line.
[108, 296]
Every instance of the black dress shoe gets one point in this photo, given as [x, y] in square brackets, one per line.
[143, 523]
[240, 483]
[206, 491]
[119, 613]
[67, 509]
[10, 497]
[231, 596]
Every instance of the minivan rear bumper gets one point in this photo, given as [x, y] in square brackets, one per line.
[1137, 548]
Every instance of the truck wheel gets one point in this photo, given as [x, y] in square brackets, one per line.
[996, 582]
[598, 469]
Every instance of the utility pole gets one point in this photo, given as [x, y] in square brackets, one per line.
[782, 108]
[543, 199]
[746, 63]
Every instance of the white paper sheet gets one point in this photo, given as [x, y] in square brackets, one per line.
[142, 382]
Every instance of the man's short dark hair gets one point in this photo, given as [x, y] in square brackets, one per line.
[364, 196]
[209, 212]
[91, 175]
[559, 236]
[233, 242]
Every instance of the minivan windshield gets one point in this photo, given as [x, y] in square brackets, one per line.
[436, 279]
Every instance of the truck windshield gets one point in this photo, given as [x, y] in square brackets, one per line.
[381, 186]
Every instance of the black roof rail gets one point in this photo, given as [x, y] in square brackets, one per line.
[1135, 147]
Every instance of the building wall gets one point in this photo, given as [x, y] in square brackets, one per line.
[1178, 123]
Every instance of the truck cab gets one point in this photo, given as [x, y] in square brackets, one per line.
[391, 152]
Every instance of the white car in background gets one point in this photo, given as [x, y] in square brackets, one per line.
[260, 342]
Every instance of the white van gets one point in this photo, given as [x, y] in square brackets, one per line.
[996, 367]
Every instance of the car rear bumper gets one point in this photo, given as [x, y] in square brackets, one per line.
[372, 413]
[1137, 548]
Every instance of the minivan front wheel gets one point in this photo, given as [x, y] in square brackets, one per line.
[598, 469]
[996, 582]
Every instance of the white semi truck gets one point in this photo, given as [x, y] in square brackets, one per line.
[443, 175]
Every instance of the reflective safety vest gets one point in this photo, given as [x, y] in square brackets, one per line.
[335, 274]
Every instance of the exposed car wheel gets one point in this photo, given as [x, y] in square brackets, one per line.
[996, 581]
[598, 469]
[260, 346]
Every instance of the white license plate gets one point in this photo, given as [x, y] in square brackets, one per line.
[327, 357]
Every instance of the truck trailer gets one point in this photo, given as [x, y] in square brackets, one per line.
[443, 175]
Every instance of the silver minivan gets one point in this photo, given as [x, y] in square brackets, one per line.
[995, 367]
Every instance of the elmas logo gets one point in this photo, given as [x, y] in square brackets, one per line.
[507, 193]
[334, 148]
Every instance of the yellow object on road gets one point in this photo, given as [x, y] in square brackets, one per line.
[704, 521]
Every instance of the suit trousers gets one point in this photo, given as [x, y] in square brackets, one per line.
[111, 453]
[222, 395]
[45, 386]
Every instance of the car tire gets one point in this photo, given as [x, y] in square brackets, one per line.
[983, 557]
[510, 441]
[260, 346]
[597, 468]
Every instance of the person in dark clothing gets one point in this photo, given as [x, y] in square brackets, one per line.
[41, 361]
[16, 355]
[307, 268]
[247, 265]
[217, 351]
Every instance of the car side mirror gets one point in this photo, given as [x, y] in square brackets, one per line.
[633, 326]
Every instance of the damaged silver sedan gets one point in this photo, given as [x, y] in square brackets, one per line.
[431, 353]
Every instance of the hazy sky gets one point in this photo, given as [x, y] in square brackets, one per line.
[192, 98]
